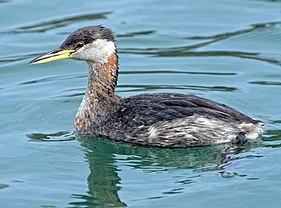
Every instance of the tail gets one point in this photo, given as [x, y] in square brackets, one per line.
[251, 130]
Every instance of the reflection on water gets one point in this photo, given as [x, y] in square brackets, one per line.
[104, 156]
[104, 181]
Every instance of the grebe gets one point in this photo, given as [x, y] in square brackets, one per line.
[161, 119]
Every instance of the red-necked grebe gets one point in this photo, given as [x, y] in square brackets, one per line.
[160, 119]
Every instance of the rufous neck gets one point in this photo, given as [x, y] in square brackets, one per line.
[100, 99]
[103, 77]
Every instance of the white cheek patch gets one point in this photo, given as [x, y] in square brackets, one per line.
[96, 52]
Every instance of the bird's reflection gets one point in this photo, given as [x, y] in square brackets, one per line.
[102, 156]
[105, 159]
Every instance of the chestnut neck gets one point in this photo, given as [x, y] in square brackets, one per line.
[103, 77]
[100, 100]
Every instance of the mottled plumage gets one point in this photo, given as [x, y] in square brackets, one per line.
[174, 120]
[163, 119]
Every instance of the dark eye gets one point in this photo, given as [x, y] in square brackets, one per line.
[79, 45]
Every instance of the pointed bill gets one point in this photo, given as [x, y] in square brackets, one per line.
[52, 56]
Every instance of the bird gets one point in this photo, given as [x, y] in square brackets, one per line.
[149, 119]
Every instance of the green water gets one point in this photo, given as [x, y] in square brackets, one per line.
[228, 51]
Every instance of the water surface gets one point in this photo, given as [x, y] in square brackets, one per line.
[228, 51]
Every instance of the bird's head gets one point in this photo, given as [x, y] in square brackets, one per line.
[92, 44]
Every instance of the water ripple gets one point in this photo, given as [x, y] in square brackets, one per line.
[14, 58]
[223, 36]
[145, 88]
[269, 83]
[173, 87]
[272, 135]
[53, 78]
[184, 51]
[59, 22]
[188, 50]
[60, 136]
[2, 186]
[133, 34]
[179, 72]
